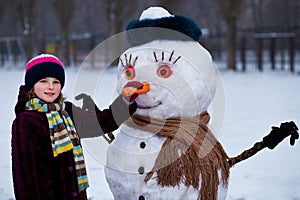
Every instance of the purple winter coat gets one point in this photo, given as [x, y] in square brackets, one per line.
[37, 175]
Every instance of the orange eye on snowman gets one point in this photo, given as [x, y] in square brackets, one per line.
[164, 71]
[129, 72]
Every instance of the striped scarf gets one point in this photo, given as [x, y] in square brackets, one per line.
[63, 135]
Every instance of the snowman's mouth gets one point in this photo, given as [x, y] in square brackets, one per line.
[148, 106]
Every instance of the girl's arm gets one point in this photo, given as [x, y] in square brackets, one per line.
[95, 122]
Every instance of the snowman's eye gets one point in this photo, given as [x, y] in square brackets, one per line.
[128, 66]
[129, 72]
[164, 71]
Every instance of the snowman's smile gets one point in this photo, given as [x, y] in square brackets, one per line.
[148, 106]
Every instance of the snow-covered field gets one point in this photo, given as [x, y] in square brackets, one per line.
[254, 102]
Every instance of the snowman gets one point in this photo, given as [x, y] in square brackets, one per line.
[167, 149]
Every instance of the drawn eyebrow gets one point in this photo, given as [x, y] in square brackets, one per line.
[155, 56]
[163, 57]
[128, 61]
[171, 55]
[176, 59]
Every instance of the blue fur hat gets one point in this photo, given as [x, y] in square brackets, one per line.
[156, 23]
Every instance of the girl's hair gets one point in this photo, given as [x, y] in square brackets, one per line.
[31, 95]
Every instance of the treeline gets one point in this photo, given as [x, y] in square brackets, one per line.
[72, 28]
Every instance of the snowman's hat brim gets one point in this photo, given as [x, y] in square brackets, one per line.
[175, 27]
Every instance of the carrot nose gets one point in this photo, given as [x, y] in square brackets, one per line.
[135, 87]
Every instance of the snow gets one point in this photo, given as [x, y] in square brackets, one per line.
[255, 101]
[154, 13]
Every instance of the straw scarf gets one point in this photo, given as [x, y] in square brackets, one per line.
[63, 135]
[190, 151]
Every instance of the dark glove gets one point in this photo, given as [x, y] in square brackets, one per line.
[87, 103]
[278, 134]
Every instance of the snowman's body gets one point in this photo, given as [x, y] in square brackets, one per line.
[184, 89]
[132, 152]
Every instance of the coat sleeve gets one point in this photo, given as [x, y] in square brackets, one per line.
[24, 147]
[93, 123]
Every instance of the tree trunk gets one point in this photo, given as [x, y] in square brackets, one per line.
[230, 10]
[66, 47]
[64, 10]
[24, 10]
[28, 48]
[231, 43]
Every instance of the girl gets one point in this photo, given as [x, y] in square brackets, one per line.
[47, 158]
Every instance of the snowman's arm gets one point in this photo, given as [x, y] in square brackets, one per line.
[277, 135]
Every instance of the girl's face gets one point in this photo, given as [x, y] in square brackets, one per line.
[47, 89]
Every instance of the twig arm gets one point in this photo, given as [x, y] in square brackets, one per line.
[247, 153]
[277, 135]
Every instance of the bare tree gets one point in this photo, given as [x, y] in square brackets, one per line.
[119, 13]
[170, 5]
[3, 5]
[25, 14]
[230, 10]
[111, 10]
[64, 10]
[256, 7]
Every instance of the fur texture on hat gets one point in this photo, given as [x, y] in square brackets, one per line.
[165, 27]
[41, 66]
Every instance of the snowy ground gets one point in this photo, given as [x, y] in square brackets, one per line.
[254, 102]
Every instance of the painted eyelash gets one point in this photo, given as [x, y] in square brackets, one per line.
[163, 57]
[128, 61]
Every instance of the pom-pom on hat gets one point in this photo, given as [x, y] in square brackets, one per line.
[42, 66]
[156, 23]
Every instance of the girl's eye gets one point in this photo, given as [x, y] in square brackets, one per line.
[43, 81]
[164, 71]
[130, 72]
[56, 82]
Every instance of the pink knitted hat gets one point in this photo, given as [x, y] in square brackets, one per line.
[41, 66]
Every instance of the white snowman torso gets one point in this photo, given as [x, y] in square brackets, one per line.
[130, 157]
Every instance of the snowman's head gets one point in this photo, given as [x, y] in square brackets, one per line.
[179, 71]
